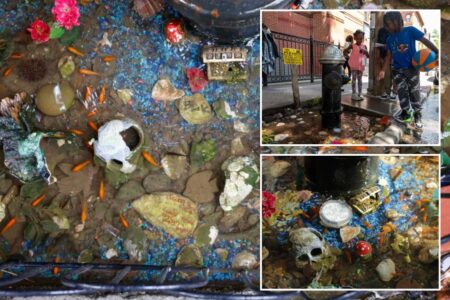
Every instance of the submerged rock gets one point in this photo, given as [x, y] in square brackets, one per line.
[244, 261]
[223, 110]
[66, 66]
[165, 91]
[136, 243]
[279, 168]
[55, 99]
[203, 151]
[175, 214]
[241, 177]
[231, 218]
[347, 233]
[130, 191]
[201, 187]
[386, 269]
[189, 256]
[195, 109]
[159, 182]
[174, 165]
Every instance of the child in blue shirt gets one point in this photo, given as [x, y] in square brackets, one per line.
[401, 46]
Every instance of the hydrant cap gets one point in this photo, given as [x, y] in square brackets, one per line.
[332, 55]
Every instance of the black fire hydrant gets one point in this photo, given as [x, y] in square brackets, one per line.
[332, 81]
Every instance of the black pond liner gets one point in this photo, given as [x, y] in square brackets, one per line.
[29, 281]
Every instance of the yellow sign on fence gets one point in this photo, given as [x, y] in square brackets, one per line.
[292, 56]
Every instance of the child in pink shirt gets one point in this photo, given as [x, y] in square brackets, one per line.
[358, 54]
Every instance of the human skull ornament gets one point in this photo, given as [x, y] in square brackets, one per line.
[118, 142]
[307, 246]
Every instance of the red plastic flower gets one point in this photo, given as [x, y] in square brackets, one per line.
[268, 204]
[66, 13]
[197, 79]
[40, 31]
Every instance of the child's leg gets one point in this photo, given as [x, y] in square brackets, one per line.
[414, 90]
[360, 73]
[354, 75]
[401, 81]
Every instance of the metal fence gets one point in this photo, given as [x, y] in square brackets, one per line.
[312, 51]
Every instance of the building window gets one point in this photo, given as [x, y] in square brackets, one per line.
[408, 18]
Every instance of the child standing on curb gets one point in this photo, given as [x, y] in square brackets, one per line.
[356, 62]
[401, 46]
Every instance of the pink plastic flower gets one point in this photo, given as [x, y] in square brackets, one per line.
[268, 204]
[40, 31]
[66, 13]
[197, 79]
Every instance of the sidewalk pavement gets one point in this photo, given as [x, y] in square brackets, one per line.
[278, 95]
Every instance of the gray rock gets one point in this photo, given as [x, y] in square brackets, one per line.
[231, 218]
[130, 191]
[244, 261]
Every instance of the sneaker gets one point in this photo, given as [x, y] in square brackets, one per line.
[393, 96]
[355, 97]
[418, 119]
[384, 96]
[360, 98]
[406, 116]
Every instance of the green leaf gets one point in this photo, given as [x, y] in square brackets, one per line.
[56, 32]
[69, 37]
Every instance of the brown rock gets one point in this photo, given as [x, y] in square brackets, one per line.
[231, 218]
[201, 187]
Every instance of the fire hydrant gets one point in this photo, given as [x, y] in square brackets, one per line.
[332, 80]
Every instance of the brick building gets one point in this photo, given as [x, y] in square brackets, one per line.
[312, 32]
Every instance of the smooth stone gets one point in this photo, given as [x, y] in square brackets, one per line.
[189, 256]
[386, 269]
[201, 187]
[66, 66]
[280, 137]
[347, 233]
[130, 191]
[242, 175]
[159, 182]
[279, 168]
[164, 90]
[222, 254]
[195, 109]
[55, 99]
[244, 261]
[175, 214]
[174, 165]
[231, 218]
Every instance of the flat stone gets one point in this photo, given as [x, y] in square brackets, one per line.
[231, 218]
[280, 137]
[174, 165]
[348, 233]
[244, 261]
[159, 182]
[201, 187]
[195, 109]
[164, 90]
[130, 191]
[175, 214]
[279, 168]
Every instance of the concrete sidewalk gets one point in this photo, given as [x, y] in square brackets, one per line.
[279, 95]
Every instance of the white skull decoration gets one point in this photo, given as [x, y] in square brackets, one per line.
[307, 246]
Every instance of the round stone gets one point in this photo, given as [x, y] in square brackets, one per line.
[55, 99]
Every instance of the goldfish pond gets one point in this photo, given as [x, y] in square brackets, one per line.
[120, 144]
[350, 222]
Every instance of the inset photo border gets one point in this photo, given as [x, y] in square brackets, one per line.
[311, 95]
[350, 222]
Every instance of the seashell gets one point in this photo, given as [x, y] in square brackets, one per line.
[147, 8]
[10, 107]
